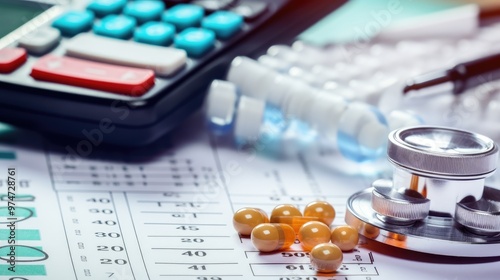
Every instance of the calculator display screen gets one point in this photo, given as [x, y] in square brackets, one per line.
[14, 13]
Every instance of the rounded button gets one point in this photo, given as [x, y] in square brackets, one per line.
[399, 207]
[481, 216]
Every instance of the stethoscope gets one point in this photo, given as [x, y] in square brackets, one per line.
[436, 202]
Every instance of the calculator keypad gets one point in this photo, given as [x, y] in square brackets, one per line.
[71, 105]
[155, 35]
[182, 26]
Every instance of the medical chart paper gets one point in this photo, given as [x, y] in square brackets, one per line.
[129, 215]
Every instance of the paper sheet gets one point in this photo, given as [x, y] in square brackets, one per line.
[128, 215]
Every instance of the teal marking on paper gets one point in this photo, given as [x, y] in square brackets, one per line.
[21, 234]
[23, 270]
[7, 155]
[363, 16]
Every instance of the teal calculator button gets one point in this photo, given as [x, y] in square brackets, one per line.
[106, 7]
[116, 26]
[184, 16]
[223, 23]
[195, 41]
[74, 22]
[155, 33]
[145, 10]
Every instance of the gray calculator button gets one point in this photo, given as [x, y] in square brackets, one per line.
[250, 10]
[214, 5]
[41, 40]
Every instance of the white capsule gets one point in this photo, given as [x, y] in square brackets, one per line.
[279, 90]
[220, 102]
[274, 63]
[373, 135]
[362, 132]
[325, 113]
[246, 73]
[399, 119]
[299, 95]
[249, 116]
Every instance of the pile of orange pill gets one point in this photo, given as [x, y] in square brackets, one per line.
[311, 228]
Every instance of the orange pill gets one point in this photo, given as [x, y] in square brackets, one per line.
[271, 237]
[295, 221]
[312, 234]
[321, 209]
[370, 231]
[326, 257]
[245, 219]
[284, 210]
[346, 237]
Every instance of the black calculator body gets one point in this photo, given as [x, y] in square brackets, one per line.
[100, 116]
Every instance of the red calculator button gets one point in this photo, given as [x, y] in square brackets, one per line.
[95, 75]
[11, 58]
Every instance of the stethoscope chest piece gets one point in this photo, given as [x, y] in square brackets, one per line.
[436, 201]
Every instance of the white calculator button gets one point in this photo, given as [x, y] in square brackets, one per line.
[163, 60]
[41, 40]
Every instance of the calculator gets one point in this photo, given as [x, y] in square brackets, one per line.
[127, 72]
